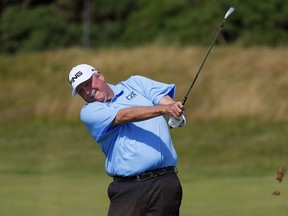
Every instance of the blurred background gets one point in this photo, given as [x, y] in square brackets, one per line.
[235, 139]
[31, 25]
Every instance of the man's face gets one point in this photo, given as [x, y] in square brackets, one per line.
[95, 89]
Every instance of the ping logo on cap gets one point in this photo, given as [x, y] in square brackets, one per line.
[76, 76]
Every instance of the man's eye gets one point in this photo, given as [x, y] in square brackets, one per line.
[88, 83]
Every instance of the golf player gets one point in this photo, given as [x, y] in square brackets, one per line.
[128, 122]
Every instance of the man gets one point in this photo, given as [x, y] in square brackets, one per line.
[127, 120]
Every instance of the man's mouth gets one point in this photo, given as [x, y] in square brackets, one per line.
[92, 94]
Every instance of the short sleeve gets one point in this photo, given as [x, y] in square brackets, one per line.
[151, 89]
[98, 117]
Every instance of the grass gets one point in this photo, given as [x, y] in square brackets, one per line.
[235, 82]
[229, 151]
[243, 147]
[52, 195]
[54, 168]
[85, 194]
[233, 196]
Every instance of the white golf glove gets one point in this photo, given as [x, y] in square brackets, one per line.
[174, 123]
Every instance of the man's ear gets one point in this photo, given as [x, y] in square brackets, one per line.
[97, 77]
[100, 76]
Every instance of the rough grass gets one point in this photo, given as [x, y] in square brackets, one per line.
[234, 82]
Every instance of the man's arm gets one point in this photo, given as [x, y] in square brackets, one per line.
[167, 106]
[166, 100]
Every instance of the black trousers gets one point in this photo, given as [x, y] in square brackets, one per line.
[159, 196]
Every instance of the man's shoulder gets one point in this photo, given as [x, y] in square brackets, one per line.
[88, 111]
[93, 105]
[136, 79]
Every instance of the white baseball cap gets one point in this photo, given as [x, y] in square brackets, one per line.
[80, 74]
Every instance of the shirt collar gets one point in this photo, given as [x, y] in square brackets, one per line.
[117, 90]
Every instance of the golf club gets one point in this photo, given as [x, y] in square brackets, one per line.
[213, 42]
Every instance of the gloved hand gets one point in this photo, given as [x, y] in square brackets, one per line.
[174, 123]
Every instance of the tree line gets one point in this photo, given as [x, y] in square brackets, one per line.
[33, 25]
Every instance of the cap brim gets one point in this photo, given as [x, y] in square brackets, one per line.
[74, 92]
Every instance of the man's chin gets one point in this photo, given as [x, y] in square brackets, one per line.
[90, 100]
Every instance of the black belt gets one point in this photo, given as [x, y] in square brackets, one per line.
[148, 175]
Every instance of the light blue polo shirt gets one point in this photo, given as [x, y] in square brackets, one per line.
[134, 147]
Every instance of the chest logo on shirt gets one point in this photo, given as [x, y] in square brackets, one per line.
[131, 96]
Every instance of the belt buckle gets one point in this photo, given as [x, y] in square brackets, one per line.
[161, 172]
[145, 176]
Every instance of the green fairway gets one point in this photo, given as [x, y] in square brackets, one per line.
[52, 195]
[85, 194]
[53, 168]
[250, 196]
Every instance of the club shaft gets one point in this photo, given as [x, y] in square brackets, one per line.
[201, 65]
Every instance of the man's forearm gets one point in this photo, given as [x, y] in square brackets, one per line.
[166, 106]
[139, 113]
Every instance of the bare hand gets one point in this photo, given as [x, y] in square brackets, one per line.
[175, 109]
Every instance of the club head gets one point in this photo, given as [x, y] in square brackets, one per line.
[229, 12]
